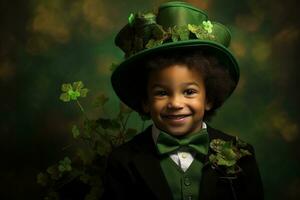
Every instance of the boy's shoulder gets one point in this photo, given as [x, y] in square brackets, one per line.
[215, 133]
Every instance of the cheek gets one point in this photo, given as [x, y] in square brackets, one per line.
[198, 105]
[157, 105]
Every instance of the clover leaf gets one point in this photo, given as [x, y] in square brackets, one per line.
[153, 43]
[54, 172]
[101, 100]
[65, 165]
[75, 131]
[197, 30]
[103, 147]
[158, 32]
[180, 32]
[42, 179]
[207, 25]
[227, 154]
[72, 92]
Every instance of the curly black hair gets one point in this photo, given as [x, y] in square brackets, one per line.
[217, 80]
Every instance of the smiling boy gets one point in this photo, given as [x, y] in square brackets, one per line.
[178, 71]
[176, 99]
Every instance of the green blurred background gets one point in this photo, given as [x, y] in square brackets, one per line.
[45, 43]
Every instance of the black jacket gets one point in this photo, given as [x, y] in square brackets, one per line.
[134, 172]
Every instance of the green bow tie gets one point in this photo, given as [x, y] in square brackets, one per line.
[196, 141]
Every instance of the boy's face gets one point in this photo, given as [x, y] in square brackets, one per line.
[176, 99]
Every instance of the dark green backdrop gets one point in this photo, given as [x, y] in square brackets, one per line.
[44, 43]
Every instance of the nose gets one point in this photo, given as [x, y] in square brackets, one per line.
[175, 102]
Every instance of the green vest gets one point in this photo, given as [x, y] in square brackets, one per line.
[184, 185]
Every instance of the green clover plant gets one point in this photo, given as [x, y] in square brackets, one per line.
[226, 155]
[93, 140]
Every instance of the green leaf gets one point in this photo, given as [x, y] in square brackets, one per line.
[77, 85]
[217, 145]
[83, 92]
[227, 145]
[73, 94]
[103, 147]
[66, 87]
[198, 31]
[222, 161]
[207, 25]
[213, 158]
[64, 97]
[229, 154]
[101, 100]
[75, 131]
[153, 43]
[113, 67]
[149, 17]
[85, 178]
[245, 152]
[131, 19]
[86, 155]
[231, 170]
[42, 179]
[175, 37]
[158, 32]
[240, 143]
[52, 196]
[125, 109]
[90, 126]
[54, 172]
[65, 165]
[193, 28]
[182, 31]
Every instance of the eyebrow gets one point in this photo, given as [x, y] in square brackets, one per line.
[183, 84]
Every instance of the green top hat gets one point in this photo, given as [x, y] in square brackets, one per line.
[177, 26]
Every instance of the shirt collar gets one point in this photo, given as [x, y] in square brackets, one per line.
[156, 131]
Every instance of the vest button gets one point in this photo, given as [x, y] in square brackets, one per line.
[187, 181]
[188, 198]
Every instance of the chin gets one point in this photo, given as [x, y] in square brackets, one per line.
[177, 132]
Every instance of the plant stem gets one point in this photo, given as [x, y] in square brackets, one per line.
[66, 147]
[124, 125]
[81, 108]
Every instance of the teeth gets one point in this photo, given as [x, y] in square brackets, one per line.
[175, 117]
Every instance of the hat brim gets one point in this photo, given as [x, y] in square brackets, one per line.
[126, 76]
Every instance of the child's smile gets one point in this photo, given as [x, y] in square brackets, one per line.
[176, 99]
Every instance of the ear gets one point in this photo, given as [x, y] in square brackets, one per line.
[208, 106]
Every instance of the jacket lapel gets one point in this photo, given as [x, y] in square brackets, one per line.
[211, 185]
[147, 163]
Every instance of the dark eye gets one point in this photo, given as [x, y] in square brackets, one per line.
[160, 93]
[190, 91]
